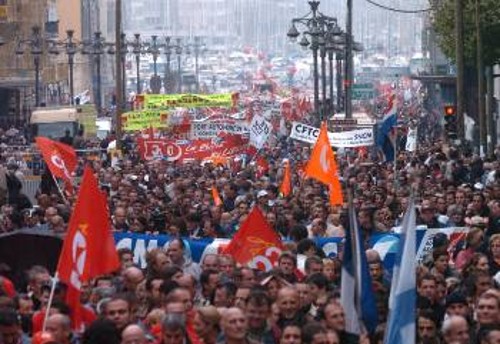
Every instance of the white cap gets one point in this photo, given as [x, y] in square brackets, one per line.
[262, 193]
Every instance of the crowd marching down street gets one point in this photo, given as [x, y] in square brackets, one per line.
[249, 220]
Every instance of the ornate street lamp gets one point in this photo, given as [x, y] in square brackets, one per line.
[316, 25]
[35, 43]
[154, 50]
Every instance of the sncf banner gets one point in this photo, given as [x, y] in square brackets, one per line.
[347, 139]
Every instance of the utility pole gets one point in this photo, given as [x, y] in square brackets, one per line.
[459, 56]
[348, 63]
[490, 109]
[480, 83]
[118, 68]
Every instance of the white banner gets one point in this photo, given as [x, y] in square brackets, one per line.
[354, 138]
[259, 131]
[209, 130]
[411, 140]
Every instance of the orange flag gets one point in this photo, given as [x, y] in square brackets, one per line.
[255, 243]
[322, 166]
[216, 197]
[88, 250]
[286, 184]
[60, 158]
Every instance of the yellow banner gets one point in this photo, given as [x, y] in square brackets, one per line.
[165, 101]
[4, 14]
[140, 120]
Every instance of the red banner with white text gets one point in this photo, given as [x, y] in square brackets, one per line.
[192, 150]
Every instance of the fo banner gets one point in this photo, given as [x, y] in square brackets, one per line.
[191, 150]
[346, 139]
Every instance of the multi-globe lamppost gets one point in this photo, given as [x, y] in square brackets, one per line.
[36, 44]
[317, 27]
[37, 47]
[325, 37]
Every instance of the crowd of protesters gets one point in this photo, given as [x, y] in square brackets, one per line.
[175, 300]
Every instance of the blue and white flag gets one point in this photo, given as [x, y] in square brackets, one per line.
[357, 296]
[402, 300]
[386, 139]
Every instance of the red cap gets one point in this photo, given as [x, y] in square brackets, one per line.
[43, 338]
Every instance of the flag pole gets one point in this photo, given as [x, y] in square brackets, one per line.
[59, 189]
[51, 299]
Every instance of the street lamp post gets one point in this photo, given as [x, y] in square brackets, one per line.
[348, 63]
[168, 49]
[97, 51]
[334, 40]
[168, 54]
[338, 65]
[35, 43]
[330, 74]
[197, 45]
[71, 51]
[154, 50]
[123, 55]
[316, 28]
[323, 81]
[178, 52]
[136, 45]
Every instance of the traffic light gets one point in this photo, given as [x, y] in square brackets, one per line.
[450, 121]
[450, 110]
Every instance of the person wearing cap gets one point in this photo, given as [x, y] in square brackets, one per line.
[262, 200]
[456, 304]
[427, 216]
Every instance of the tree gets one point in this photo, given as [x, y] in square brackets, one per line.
[443, 20]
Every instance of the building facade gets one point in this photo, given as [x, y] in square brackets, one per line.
[17, 71]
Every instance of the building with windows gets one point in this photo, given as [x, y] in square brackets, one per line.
[17, 71]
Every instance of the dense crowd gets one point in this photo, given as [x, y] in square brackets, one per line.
[175, 300]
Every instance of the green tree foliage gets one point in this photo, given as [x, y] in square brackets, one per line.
[443, 20]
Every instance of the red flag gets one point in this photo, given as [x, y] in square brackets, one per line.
[216, 197]
[323, 167]
[88, 250]
[262, 167]
[59, 157]
[151, 132]
[255, 243]
[286, 184]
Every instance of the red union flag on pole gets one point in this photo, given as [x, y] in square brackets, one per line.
[256, 243]
[88, 250]
[59, 157]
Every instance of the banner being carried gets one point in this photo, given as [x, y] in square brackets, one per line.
[140, 120]
[260, 129]
[209, 130]
[189, 150]
[347, 139]
[166, 101]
